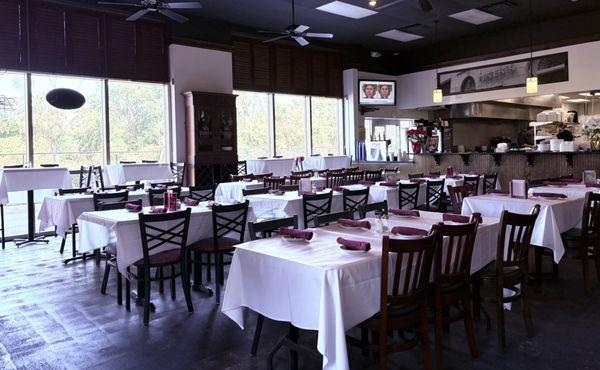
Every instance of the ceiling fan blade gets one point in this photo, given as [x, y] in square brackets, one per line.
[276, 38]
[392, 3]
[271, 32]
[183, 5]
[137, 15]
[174, 16]
[301, 28]
[425, 5]
[301, 40]
[125, 4]
[319, 35]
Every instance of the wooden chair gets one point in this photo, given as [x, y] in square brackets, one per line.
[372, 207]
[458, 194]
[99, 177]
[126, 162]
[202, 193]
[337, 171]
[149, 161]
[261, 230]
[408, 195]
[131, 187]
[587, 239]
[355, 198]
[415, 175]
[295, 180]
[354, 177]
[334, 180]
[158, 230]
[403, 299]
[373, 176]
[73, 230]
[434, 192]
[156, 196]
[242, 167]
[85, 176]
[489, 182]
[452, 282]
[323, 173]
[289, 187]
[178, 172]
[261, 176]
[472, 181]
[391, 170]
[226, 220]
[307, 173]
[119, 196]
[246, 192]
[352, 169]
[510, 270]
[273, 183]
[314, 205]
[236, 178]
[328, 218]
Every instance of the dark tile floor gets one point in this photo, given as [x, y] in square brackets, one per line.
[52, 316]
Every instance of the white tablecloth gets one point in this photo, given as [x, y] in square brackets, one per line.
[556, 216]
[232, 191]
[337, 290]
[330, 162]
[62, 211]
[277, 166]
[572, 190]
[22, 179]
[119, 174]
[122, 228]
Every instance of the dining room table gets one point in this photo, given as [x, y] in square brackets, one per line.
[277, 166]
[568, 189]
[339, 289]
[123, 173]
[322, 162]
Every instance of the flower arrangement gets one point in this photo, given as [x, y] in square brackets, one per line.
[416, 134]
[591, 129]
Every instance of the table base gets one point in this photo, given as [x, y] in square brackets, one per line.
[28, 240]
[291, 341]
[31, 238]
[202, 289]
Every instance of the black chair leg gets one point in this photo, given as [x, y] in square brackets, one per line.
[208, 266]
[257, 331]
[105, 278]
[173, 293]
[217, 285]
[146, 273]
[62, 244]
[197, 262]
[185, 284]
[127, 293]
[2, 221]
[160, 277]
[119, 288]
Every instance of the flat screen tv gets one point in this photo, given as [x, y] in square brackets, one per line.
[376, 92]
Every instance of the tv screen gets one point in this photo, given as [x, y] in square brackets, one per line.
[377, 92]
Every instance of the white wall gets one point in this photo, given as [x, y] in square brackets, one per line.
[195, 69]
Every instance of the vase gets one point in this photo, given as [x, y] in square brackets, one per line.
[416, 147]
[595, 143]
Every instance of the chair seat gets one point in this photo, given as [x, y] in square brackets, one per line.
[207, 245]
[165, 258]
[454, 287]
[400, 312]
[511, 273]
[576, 234]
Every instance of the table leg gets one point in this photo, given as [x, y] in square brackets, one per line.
[31, 238]
[139, 294]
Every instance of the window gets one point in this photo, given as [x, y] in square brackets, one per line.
[290, 125]
[137, 117]
[13, 119]
[252, 124]
[325, 125]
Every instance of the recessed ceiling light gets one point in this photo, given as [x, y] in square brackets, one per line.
[591, 93]
[346, 10]
[475, 16]
[585, 94]
[399, 35]
[578, 100]
[563, 97]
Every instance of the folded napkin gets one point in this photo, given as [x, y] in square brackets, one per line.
[320, 187]
[161, 186]
[417, 180]
[307, 193]
[247, 179]
[130, 188]
[354, 223]
[157, 210]
[555, 183]
[403, 230]
[456, 218]
[388, 184]
[133, 207]
[190, 201]
[354, 244]
[433, 175]
[296, 234]
[591, 185]
[498, 191]
[365, 183]
[276, 192]
[338, 188]
[404, 212]
[456, 177]
[211, 203]
[549, 195]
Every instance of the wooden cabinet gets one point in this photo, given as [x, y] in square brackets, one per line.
[211, 127]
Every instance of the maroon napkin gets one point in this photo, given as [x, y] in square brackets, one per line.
[354, 244]
[296, 234]
[555, 183]
[276, 192]
[158, 210]
[161, 186]
[320, 187]
[456, 218]
[433, 175]
[133, 207]
[392, 185]
[572, 181]
[307, 193]
[549, 195]
[130, 188]
[591, 185]
[211, 203]
[403, 230]
[190, 201]
[365, 183]
[457, 177]
[354, 223]
[498, 191]
[247, 179]
[404, 212]
[338, 188]
[417, 180]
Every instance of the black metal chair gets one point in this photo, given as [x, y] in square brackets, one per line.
[202, 193]
[85, 176]
[408, 195]
[156, 196]
[178, 171]
[242, 167]
[72, 230]
[372, 207]
[13, 166]
[149, 161]
[126, 162]
[236, 178]
[489, 182]
[434, 196]
[333, 180]
[99, 177]
[472, 181]
[273, 183]
[160, 230]
[314, 205]
[353, 177]
[227, 220]
[120, 196]
[415, 175]
[131, 187]
[289, 187]
[246, 192]
[48, 165]
[328, 218]
[355, 198]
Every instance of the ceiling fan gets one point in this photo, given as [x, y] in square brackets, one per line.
[161, 7]
[424, 4]
[296, 32]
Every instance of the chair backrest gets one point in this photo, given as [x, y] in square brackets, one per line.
[98, 176]
[452, 261]
[353, 177]
[307, 173]
[405, 278]
[273, 183]
[13, 166]
[514, 239]
[333, 180]
[202, 192]
[262, 176]
[229, 219]
[489, 182]
[119, 196]
[355, 198]
[85, 176]
[165, 231]
[373, 175]
[473, 181]
[178, 172]
[372, 207]
[328, 218]
[72, 191]
[242, 167]
[590, 222]
[117, 205]
[352, 169]
[156, 196]
[126, 162]
[457, 194]
[415, 175]
[266, 229]
[435, 194]
[434, 173]
[163, 184]
[130, 187]
[314, 205]
[337, 171]
[246, 192]
[408, 195]
[323, 173]
[295, 187]
[236, 178]
[391, 170]
[48, 165]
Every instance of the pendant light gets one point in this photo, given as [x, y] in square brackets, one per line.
[531, 85]
[437, 92]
